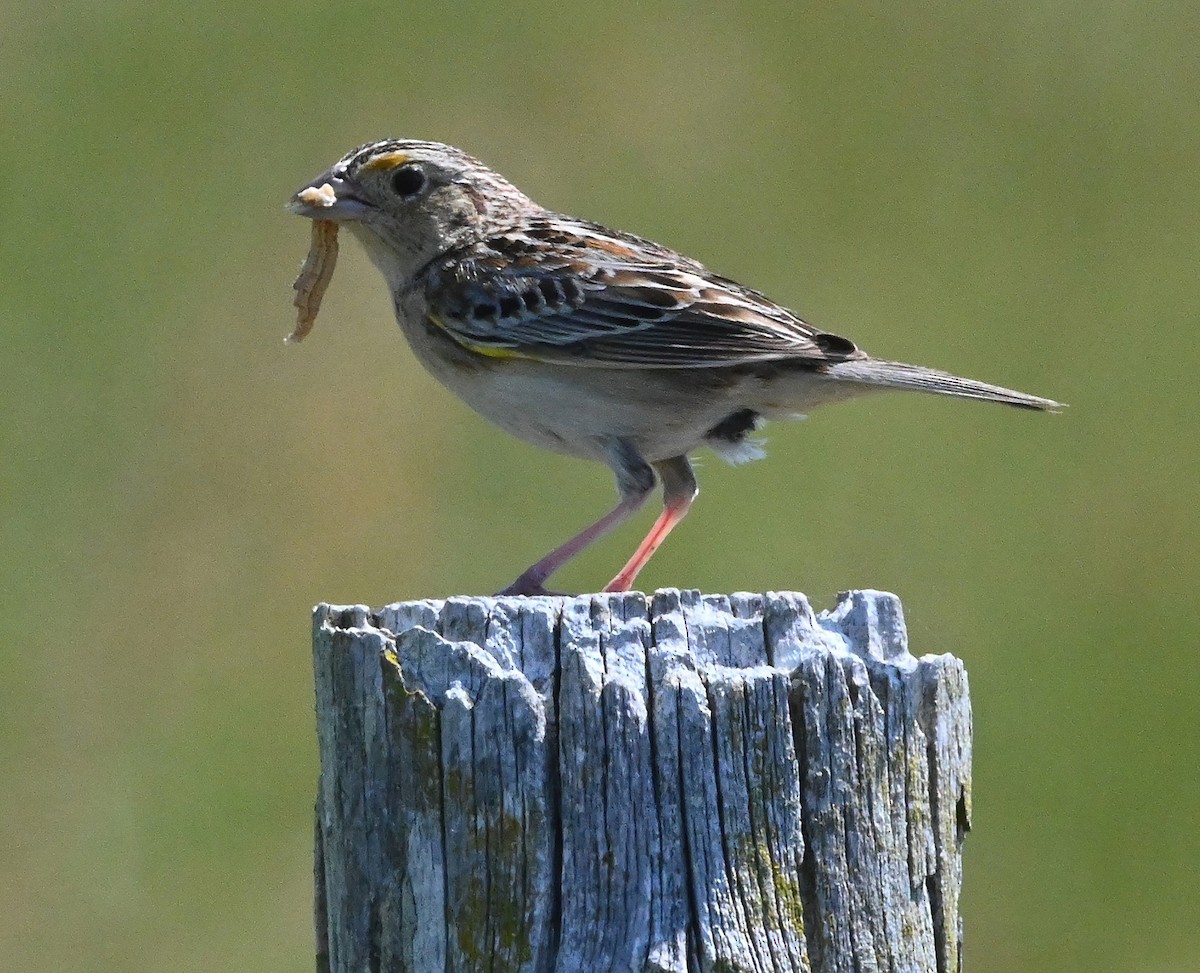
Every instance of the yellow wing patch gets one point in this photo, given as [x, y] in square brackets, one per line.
[479, 348]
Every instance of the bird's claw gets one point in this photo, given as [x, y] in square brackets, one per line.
[519, 589]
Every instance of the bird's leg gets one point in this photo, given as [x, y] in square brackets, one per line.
[635, 481]
[679, 490]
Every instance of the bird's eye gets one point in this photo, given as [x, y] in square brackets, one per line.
[408, 181]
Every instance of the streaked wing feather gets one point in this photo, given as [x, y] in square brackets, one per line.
[570, 291]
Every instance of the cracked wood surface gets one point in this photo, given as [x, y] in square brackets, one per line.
[622, 782]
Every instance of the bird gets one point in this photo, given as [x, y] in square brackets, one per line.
[588, 341]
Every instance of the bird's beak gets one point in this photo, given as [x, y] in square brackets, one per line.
[327, 198]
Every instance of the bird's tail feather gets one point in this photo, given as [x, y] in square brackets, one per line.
[897, 375]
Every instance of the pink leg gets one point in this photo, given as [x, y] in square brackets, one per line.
[679, 490]
[532, 581]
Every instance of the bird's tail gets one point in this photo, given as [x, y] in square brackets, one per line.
[897, 375]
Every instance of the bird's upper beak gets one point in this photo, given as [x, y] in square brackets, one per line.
[327, 197]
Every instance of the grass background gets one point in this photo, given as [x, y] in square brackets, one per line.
[1008, 191]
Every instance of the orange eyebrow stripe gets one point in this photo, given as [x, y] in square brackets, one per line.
[386, 161]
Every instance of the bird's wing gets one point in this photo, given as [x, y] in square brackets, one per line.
[576, 293]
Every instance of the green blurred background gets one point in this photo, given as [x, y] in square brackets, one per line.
[1008, 191]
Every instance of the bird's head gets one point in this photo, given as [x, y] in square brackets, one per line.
[408, 202]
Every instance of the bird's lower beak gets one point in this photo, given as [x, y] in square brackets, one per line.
[327, 198]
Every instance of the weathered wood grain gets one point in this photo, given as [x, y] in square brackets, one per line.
[679, 782]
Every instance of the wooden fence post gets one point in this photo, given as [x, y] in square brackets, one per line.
[622, 782]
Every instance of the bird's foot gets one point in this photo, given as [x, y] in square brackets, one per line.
[527, 588]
